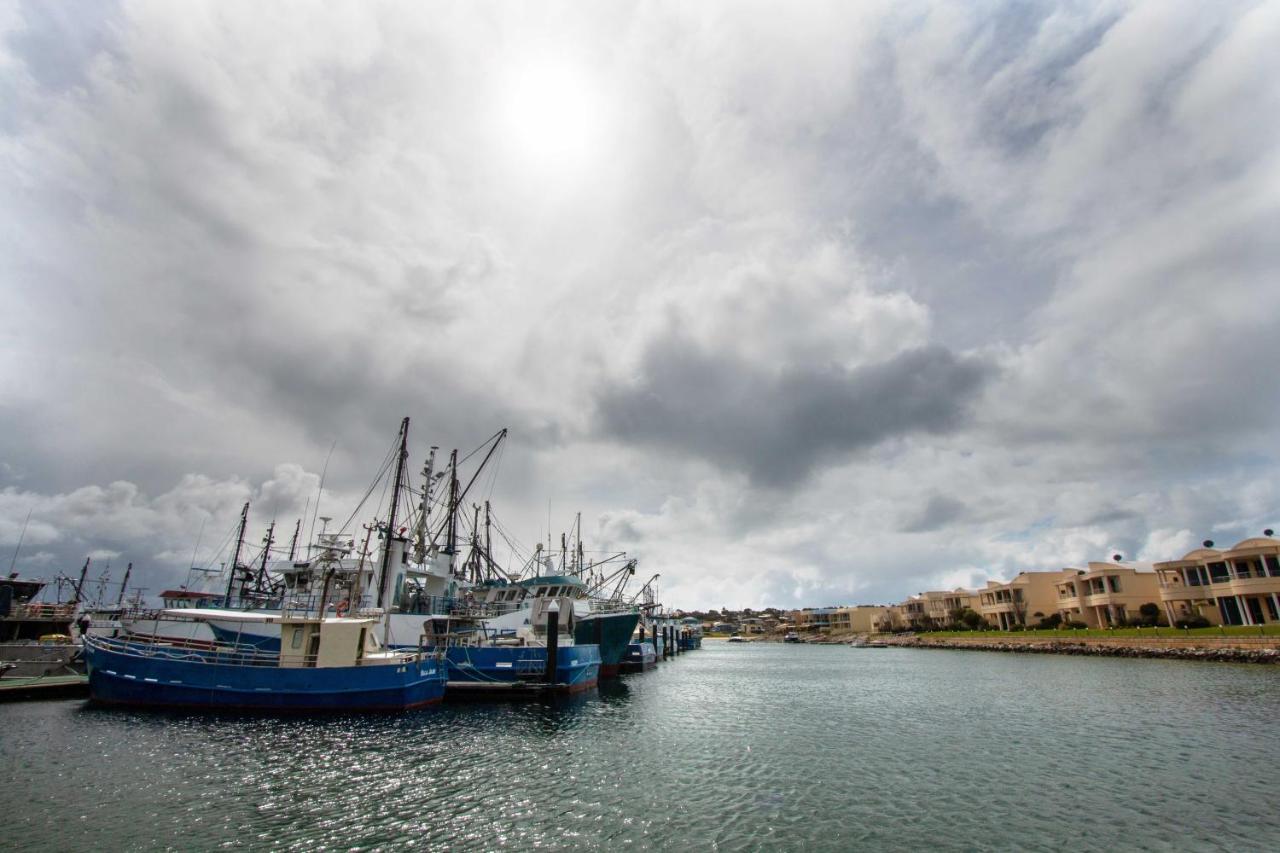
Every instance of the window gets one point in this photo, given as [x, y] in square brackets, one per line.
[1113, 582]
[1242, 569]
[1273, 565]
[296, 642]
[1218, 572]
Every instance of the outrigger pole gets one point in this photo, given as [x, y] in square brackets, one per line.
[385, 575]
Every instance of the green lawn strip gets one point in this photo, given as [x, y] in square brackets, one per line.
[1090, 633]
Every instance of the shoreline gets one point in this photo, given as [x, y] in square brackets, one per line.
[1225, 650]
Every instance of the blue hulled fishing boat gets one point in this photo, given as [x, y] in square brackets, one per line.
[324, 664]
[640, 657]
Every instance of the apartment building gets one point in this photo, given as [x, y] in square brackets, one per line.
[1238, 586]
[863, 618]
[1107, 594]
[940, 605]
[1025, 600]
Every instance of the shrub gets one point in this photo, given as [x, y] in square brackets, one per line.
[1150, 614]
[1193, 622]
[1016, 627]
[1050, 622]
[1076, 625]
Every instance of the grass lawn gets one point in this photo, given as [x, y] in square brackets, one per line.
[1084, 633]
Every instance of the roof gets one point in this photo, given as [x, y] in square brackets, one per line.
[1255, 542]
[552, 580]
[198, 614]
[188, 594]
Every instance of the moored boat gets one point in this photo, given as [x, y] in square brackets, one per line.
[640, 657]
[609, 628]
[325, 664]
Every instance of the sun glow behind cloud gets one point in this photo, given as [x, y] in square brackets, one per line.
[552, 119]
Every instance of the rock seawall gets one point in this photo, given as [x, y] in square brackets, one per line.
[1100, 649]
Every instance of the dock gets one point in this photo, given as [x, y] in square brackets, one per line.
[44, 687]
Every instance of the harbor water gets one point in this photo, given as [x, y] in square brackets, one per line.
[733, 747]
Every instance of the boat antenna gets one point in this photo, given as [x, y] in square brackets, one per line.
[235, 556]
[21, 536]
[385, 576]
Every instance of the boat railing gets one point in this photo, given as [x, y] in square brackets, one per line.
[242, 655]
[41, 610]
[601, 605]
[426, 605]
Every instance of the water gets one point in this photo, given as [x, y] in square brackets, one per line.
[733, 747]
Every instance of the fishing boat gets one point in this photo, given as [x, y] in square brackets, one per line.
[513, 635]
[35, 637]
[690, 633]
[640, 657]
[326, 664]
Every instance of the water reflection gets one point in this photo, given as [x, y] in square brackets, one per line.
[821, 747]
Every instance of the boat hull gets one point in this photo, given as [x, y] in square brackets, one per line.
[612, 633]
[121, 674]
[577, 666]
[640, 657]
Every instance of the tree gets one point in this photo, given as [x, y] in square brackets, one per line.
[971, 617]
[1150, 613]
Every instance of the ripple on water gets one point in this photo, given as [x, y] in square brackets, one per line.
[729, 748]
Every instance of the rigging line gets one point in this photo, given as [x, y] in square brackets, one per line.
[21, 536]
[198, 537]
[382, 472]
[493, 475]
[482, 446]
[311, 532]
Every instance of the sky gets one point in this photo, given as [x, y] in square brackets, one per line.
[800, 305]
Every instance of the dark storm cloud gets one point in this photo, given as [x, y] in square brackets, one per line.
[778, 425]
[939, 511]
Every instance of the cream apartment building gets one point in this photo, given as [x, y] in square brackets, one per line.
[1238, 586]
[1025, 600]
[1106, 594]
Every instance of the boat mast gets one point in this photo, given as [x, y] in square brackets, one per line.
[488, 540]
[124, 583]
[80, 584]
[451, 542]
[385, 576]
[293, 546]
[235, 556]
[577, 524]
[266, 555]
[424, 508]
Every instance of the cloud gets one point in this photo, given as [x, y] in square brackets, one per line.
[867, 298]
[778, 425]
